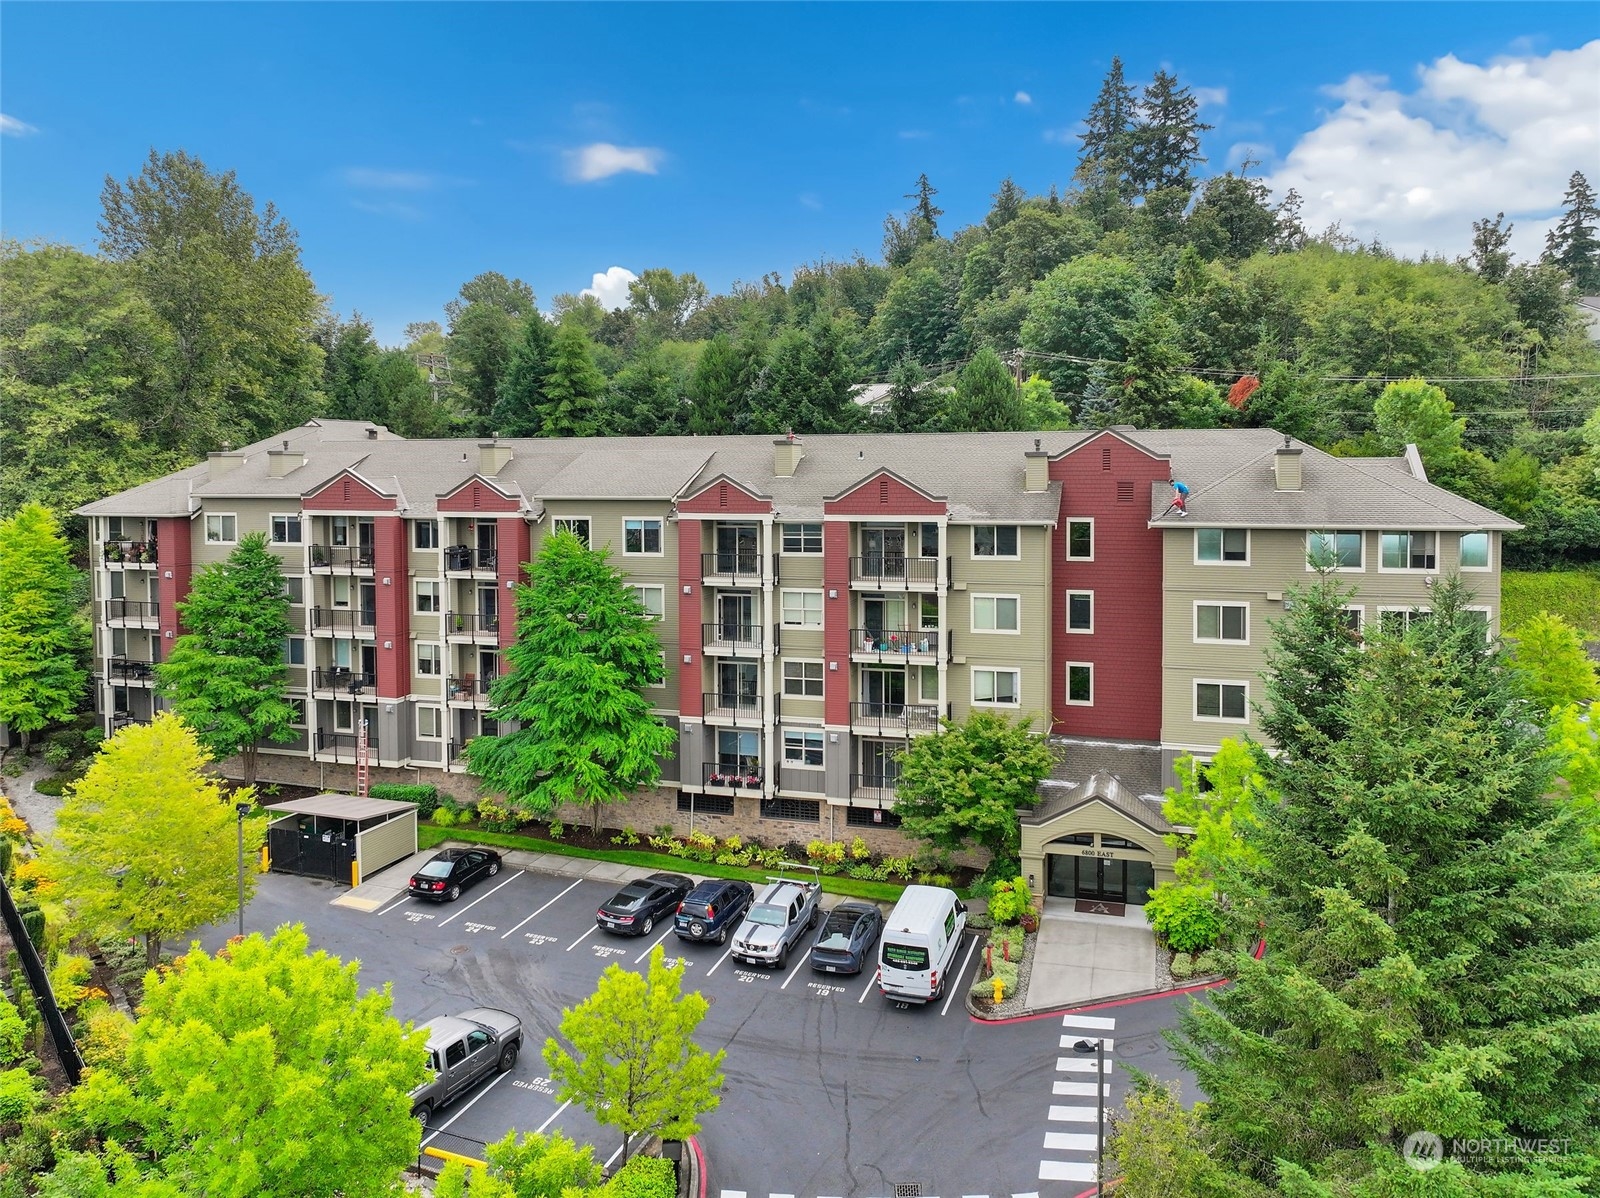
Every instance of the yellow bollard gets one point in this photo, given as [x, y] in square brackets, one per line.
[999, 989]
[355, 874]
[266, 859]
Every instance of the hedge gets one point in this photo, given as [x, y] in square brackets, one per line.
[1574, 595]
[425, 797]
[644, 1177]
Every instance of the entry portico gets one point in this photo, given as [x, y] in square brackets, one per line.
[1096, 841]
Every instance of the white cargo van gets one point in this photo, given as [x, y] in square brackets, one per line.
[919, 944]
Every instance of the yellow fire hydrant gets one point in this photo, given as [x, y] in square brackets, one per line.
[999, 989]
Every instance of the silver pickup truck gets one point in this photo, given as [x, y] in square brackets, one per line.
[784, 911]
[462, 1050]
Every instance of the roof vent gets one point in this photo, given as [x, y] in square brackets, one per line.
[372, 434]
[1286, 467]
[786, 455]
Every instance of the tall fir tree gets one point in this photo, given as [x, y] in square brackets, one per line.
[1097, 408]
[574, 388]
[1166, 137]
[1153, 382]
[1106, 150]
[986, 399]
[714, 387]
[43, 639]
[1005, 205]
[924, 210]
[1572, 244]
[913, 402]
[521, 393]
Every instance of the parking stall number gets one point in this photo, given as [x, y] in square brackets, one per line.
[418, 916]
[479, 927]
[542, 1084]
[822, 989]
[750, 975]
[537, 938]
[605, 950]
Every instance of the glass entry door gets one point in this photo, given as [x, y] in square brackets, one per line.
[1104, 878]
[884, 691]
[736, 615]
[737, 548]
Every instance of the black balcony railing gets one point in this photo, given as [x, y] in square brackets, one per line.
[732, 775]
[348, 619]
[473, 688]
[731, 705]
[459, 558]
[341, 557]
[122, 669]
[890, 643]
[340, 679]
[727, 635]
[871, 787]
[895, 719]
[333, 742]
[130, 553]
[742, 564]
[470, 624]
[892, 569]
[132, 609]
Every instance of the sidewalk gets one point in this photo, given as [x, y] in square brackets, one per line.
[1089, 958]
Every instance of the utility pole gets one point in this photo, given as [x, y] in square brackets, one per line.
[1098, 1047]
[243, 810]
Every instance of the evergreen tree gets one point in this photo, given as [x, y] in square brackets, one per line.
[574, 388]
[350, 355]
[482, 338]
[43, 639]
[521, 393]
[403, 397]
[808, 384]
[1166, 138]
[1105, 156]
[1007, 203]
[1153, 382]
[986, 398]
[1490, 258]
[1098, 406]
[1572, 244]
[912, 404]
[1288, 233]
[647, 397]
[714, 388]
[225, 676]
[924, 210]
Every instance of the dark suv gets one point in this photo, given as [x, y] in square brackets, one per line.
[712, 908]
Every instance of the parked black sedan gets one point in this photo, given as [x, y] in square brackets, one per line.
[451, 871]
[845, 943]
[635, 909]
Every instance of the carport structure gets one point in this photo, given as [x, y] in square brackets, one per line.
[325, 835]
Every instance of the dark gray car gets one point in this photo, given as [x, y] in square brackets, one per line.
[463, 1050]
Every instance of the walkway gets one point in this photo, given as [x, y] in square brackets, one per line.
[1089, 958]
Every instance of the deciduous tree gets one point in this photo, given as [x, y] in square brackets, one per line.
[1490, 257]
[1555, 668]
[1415, 412]
[664, 301]
[43, 639]
[632, 1061]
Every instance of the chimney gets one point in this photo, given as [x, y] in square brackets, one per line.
[786, 455]
[220, 462]
[284, 461]
[492, 458]
[372, 434]
[1286, 465]
[1035, 469]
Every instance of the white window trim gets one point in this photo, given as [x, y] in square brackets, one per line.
[1404, 609]
[1488, 567]
[783, 748]
[995, 557]
[438, 722]
[288, 656]
[416, 660]
[783, 616]
[1199, 561]
[822, 536]
[783, 681]
[661, 520]
[293, 602]
[1412, 570]
[1219, 640]
[651, 586]
[662, 684]
[1361, 614]
[972, 615]
[1069, 629]
[1066, 680]
[1194, 701]
[233, 540]
[1068, 523]
[1361, 569]
[977, 702]
[557, 521]
[284, 516]
[438, 536]
[416, 597]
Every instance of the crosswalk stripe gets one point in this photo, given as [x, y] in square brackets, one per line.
[1078, 1065]
[1080, 1089]
[1098, 1022]
[1066, 1170]
[1068, 1141]
[1069, 1041]
[733, 1194]
[1074, 1114]
[1035, 1194]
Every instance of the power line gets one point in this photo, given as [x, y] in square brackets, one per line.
[1332, 378]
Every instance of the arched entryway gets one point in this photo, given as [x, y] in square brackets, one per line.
[1096, 843]
[1089, 865]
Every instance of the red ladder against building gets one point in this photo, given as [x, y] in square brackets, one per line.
[363, 771]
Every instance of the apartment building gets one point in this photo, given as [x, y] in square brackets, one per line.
[821, 601]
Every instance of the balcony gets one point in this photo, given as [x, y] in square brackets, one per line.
[343, 745]
[355, 621]
[916, 646]
[731, 640]
[732, 567]
[874, 788]
[129, 555]
[464, 559]
[468, 627]
[893, 719]
[731, 777]
[342, 681]
[137, 613]
[894, 572]
[729, 707]
[122, 671]
[469, 690]
[344, 559]
[795, 780]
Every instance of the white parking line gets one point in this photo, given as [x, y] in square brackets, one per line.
[480, 899]
[582, 938]
[554, 1117]
[871, 982]
[960, 973]
[641, 957]
[726, 953]
[433, 1131]
[1069, 1041]
[563, 894]
[1098, 1022]
[805, 959]
[613, 1156]
[1070, 1141]
[1080, 1090]
[400, 902]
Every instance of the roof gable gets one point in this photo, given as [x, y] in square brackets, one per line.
[724, 494]
[347, 491]
[477, 494]
[884, 493]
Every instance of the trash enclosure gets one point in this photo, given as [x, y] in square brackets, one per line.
[324, 836]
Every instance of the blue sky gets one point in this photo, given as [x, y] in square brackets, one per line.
[413, 145]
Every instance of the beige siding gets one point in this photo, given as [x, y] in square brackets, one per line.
[1102, 820]
[1028, 578]
[387, 843]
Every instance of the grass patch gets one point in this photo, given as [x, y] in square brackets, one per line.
[1574, 595]
[429, 836]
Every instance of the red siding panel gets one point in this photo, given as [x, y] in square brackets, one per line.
[347, 493]
[884, 495]
[836, 621]
[389, 562]
[513, 547]
[174, 571]
[475, 495]
[689, 599]
[723, 497]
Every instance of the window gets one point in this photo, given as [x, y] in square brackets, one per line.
[802, 538]
[1222, 622]
[996, 613]
[1352, 616]
[659, 679]
[1080, 540]
[1339, 550]
[928, 688]
[802, 748]
[802, 609]
[430, 723]
[286, 530]
[294, 650]
[1478, 615]
[1080, 683]
[341, 590]
[1080, 611]
[220, 530]
[641, 537]
[297, 712]
[705, 804]
[802, 679]
[997, 688]
[1474, 551]
[294, 589]
[1397, 621]
[994, 540]
[428, 660]
[427, 596]
[578, 526]
[654, 600]
[425, 534]
[928, 540]
[1212, 545]
[1407, 551]
[870, 817]
[1221, 701]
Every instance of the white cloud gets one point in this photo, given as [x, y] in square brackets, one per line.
[601, 160]
[810, 199]
[1063, 137]
[384, 180]
[611, 288]
[12, 127]
[1023, 98]
[1416, 169]
[1211, 97]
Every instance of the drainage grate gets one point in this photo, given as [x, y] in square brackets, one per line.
[457, 950]
[906, 1189]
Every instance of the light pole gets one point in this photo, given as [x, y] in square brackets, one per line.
[243, 809]
[1098, 1047]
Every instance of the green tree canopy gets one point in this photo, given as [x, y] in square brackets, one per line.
[714, 388]
[986, 397]
[574, 389]
[43, 639]
[1416, 412]
[1556, 669]
[226, 676]
[1078, 310]
[1574, 244]
[520, 400]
